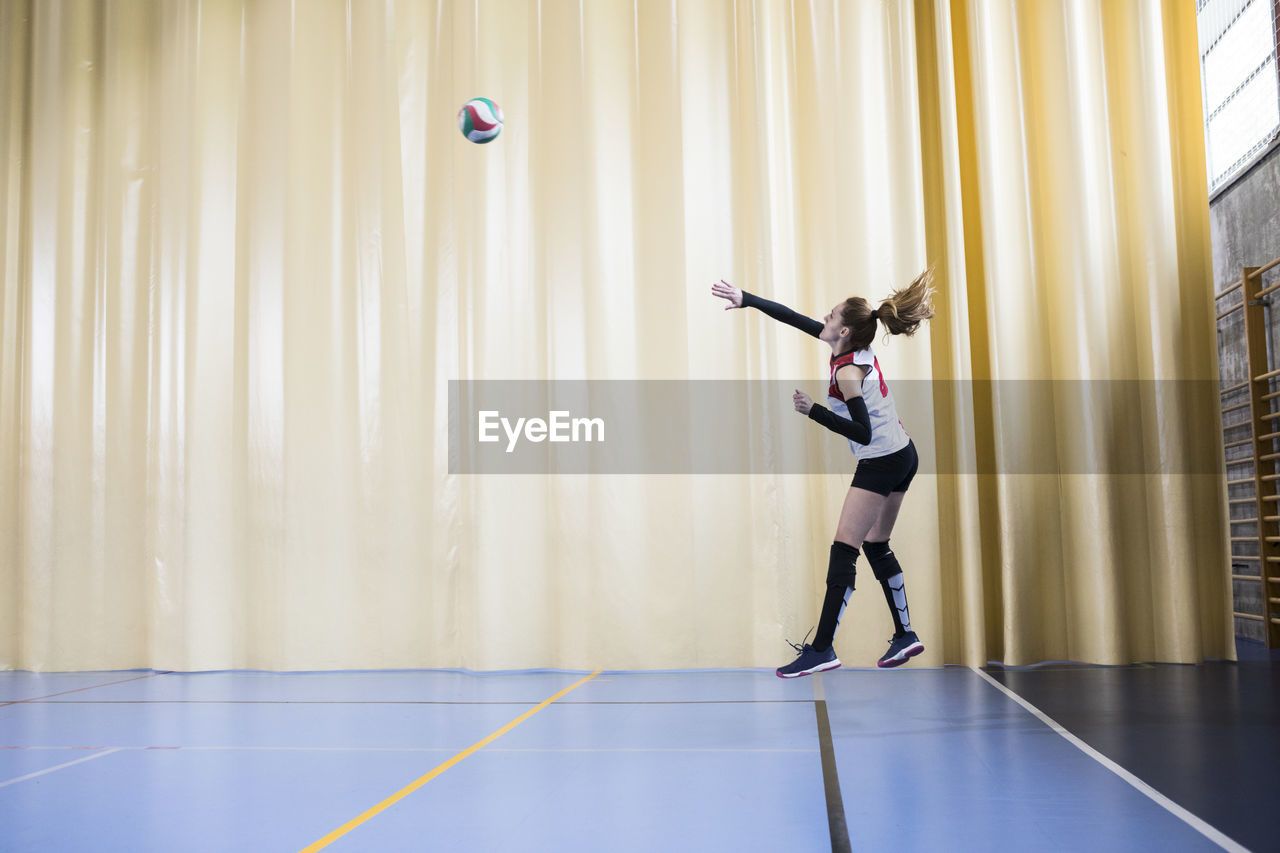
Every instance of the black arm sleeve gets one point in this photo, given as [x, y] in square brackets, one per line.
[858, 430]
[808, 325]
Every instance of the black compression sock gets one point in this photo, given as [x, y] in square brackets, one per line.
[889, 573]
[893, 605]
[840, 574]
[832, 606]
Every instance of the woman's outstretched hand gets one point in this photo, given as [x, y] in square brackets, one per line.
[727, 291]
[802, 401]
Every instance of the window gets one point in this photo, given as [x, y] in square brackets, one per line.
[1241, 85]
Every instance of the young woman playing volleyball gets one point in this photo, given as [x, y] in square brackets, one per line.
[862, 411]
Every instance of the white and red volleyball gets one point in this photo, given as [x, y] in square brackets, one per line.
[480, 120]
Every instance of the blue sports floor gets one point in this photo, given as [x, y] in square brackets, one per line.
[902, 760]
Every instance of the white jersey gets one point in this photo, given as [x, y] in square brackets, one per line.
[887, 433]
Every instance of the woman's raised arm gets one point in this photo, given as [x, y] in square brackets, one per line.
[741, 299]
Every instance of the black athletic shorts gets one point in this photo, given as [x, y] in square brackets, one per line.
[885, 474]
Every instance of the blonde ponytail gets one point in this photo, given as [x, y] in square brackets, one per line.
[902, 312]
[905, 309]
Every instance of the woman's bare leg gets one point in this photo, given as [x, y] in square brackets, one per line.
[883, 528]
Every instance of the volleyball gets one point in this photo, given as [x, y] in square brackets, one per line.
[480, 120]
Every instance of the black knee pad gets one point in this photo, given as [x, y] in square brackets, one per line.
[843, 565]
[883, 564]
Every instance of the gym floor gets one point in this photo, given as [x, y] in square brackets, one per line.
[1055, 757]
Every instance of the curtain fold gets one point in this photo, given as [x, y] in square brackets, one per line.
[245, 250]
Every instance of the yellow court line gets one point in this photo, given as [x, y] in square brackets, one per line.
[418, 783]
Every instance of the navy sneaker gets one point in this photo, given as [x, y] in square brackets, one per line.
[810, 660]
[901, 647]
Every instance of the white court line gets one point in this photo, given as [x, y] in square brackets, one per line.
[59, 767]
[1200, 826]
[396, 749]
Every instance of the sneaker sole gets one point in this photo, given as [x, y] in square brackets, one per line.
[901, 657]
[823, 667]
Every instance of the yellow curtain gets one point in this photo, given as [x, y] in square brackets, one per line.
[1066, 189]
[245, 249]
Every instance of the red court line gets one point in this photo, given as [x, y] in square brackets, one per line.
[90, 687]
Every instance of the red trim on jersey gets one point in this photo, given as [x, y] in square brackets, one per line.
[837, 362]
[884, 389]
